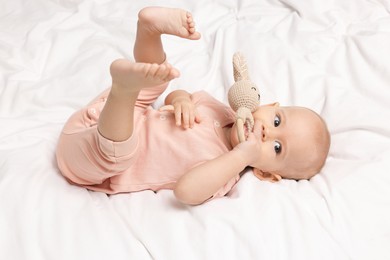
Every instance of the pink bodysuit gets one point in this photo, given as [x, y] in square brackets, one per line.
[157, 154]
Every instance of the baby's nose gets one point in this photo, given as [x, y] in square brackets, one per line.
[267, 133]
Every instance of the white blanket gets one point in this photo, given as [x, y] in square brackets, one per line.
[331, 56]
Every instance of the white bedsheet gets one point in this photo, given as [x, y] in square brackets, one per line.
[331, 56]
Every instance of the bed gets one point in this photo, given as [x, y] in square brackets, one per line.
[330, 56]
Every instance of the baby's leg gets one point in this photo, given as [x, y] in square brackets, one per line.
[128, 78]
[155, 21]
[117, 116]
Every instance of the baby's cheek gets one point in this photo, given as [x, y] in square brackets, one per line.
[266, 156]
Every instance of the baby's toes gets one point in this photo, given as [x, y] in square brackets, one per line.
[189, 17]
[162, 72]
[152, 70]
[190, 22]
[173, 73]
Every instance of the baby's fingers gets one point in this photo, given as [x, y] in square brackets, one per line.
[193, 116]
[178, 112]
[197, 116]
[186, 116]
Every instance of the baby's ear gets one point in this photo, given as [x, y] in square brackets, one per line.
[266, 176]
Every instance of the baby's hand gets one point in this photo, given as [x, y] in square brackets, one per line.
[185, 112]
[252, 147]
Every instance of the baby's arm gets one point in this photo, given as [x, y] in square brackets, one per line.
[204, 180]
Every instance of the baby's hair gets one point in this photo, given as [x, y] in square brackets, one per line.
[326, 140]
[320, 152]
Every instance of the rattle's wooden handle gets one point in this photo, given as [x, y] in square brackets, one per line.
[243, 116]
[240, 130]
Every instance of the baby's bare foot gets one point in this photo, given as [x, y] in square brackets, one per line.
[135, 76]
[172, 21]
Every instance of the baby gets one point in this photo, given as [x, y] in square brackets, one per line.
[119, 143]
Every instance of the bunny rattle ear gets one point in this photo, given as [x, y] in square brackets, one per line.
[240, 68]
[243, 96]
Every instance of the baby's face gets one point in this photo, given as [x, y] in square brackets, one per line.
[289, 139]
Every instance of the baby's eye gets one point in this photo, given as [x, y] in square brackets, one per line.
[277, 147]
[276, 121]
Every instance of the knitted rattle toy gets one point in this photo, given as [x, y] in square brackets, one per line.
[243, 96]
